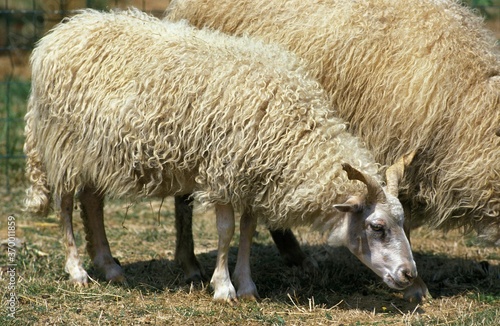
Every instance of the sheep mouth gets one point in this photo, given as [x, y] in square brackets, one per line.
[396, 284]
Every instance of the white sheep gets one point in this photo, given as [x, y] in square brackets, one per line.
[125, 105]
[422, 77]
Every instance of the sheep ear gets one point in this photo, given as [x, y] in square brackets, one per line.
[395, 173]
[351, 205]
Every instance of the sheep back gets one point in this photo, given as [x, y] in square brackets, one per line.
[423, 78]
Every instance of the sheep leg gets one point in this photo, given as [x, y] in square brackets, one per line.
[287, 244]
[242, 274]
[221, 280]
[73, 265]
[289, 249]
[92, 204]
[418, 290]
[184, 244]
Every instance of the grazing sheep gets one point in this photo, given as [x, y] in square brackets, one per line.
[422, 77]
[123, 104]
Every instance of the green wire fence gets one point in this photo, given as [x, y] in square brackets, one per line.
[22, 23]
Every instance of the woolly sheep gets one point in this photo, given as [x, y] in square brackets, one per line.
[123, 105]
[421, 78]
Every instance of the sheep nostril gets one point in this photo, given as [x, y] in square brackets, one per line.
[408, 274]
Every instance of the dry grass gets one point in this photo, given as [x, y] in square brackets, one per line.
[344, 291]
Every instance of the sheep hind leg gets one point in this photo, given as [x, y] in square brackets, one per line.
[184, 244]
[221, 280]
[417, 291]
[290, 251]
[73, 265]
[242, 274]
[92, 207]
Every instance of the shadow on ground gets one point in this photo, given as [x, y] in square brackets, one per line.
[341, 280]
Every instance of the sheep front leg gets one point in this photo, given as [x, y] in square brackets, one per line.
[92, 214]
[242, 274]
[221, 280]
[184, 244]
[73, 265]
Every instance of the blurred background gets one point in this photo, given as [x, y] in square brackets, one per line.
[23, 22]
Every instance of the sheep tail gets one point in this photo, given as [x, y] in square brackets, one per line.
[38, 194]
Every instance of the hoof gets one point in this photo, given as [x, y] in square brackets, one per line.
[80, 283]
[417, 292]
[248, 296]
[225, 294]
[114, 274]
[246, 290]
[194, 279]
[77, 274]
[310, 266]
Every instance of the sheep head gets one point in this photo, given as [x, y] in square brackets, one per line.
[372, 228]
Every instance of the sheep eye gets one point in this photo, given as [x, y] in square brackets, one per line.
[377, 227]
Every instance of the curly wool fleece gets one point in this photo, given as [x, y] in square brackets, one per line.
[135, 106]
[422, 77]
